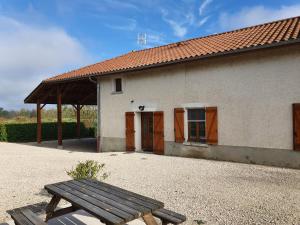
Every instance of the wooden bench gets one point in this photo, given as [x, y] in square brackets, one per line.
[169, 217]
[26, 217]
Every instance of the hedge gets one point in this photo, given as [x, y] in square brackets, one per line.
[26, 132]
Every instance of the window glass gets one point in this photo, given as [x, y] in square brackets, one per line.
[193, 130]
[118, 85]
[196, 125]
[196, 114]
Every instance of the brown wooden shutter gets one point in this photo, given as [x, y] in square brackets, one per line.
[158, 138]
[129, 127]
[296, 126]
[179, 125]
[211, 125]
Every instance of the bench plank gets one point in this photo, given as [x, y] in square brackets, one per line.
[174, 214]
[32, 217]
[20, 219]
[168, 216]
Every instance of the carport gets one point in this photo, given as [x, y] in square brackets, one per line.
[75, 92]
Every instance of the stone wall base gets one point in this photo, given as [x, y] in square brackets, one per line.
[261, 156]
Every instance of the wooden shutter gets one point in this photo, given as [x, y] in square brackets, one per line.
[296, 126]
[158, 137]
[129, 127]
[211, 126]
[179, 125]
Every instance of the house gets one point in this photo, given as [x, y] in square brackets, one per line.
[231, 96]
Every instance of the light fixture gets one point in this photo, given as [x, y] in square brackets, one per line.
[141, 107]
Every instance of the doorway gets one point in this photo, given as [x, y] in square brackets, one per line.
[147, 131]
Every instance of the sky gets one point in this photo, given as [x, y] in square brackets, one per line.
[42, 38]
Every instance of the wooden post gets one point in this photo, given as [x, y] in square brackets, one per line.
[39, 122]
[59, 118]
[78, 120]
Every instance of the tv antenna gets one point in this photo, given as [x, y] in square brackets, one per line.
[142, 39]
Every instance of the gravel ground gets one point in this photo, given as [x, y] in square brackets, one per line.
[208, 191]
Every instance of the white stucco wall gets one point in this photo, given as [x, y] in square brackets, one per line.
[254, 93]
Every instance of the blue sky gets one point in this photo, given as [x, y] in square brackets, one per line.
[40, 38]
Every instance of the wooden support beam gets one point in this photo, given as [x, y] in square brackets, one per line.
[59, 117]
[39, 122]
[78, 108]
[43, 106]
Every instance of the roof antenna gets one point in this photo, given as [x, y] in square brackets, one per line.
[142, 39]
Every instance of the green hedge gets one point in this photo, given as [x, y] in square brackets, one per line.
[12, 132]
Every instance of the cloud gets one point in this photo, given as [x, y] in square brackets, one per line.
[130, 26]
[179, 28]
[202, 21]
[29, 54]
[203, 6]
[255, 15]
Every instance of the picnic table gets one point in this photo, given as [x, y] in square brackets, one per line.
[110, 204]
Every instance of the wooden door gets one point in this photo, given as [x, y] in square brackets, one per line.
[158, 138]
[129, 127]
[296, 126]
[147, 131]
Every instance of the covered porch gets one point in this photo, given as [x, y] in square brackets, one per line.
[74, 92]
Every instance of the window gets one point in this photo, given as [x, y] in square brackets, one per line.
[118, 85]
[196, 125]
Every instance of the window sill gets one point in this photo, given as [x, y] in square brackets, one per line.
[116, 92]
[195, 144]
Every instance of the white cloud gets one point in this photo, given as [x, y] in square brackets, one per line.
[29, 54]
[202, 21]
[255, 15]
[203, 6]
[179, 28]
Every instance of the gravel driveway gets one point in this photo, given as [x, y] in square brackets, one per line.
[208, 191]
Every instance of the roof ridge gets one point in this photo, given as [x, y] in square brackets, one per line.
[217, 34]
[183, 42]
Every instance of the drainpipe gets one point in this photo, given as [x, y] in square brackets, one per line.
[98, 114]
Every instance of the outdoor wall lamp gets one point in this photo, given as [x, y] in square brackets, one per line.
[141, 107]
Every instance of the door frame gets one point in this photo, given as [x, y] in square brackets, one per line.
[296, 146]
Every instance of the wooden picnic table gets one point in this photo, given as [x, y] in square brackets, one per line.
[110, 204]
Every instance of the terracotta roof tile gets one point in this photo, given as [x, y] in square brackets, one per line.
[266, 34]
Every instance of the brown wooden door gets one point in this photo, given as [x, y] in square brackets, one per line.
[147, 131]
[129, 127]
[296, 126]
[158, 139]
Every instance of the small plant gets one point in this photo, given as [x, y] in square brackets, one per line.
[199, 222]
[89, 169]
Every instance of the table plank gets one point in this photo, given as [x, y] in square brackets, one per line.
[144, 198]
[131, 198]
[103, 215]
[122, 214]
[129, 203]
[113, 202]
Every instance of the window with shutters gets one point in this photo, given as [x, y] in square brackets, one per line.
[117, 86]
[196, 125]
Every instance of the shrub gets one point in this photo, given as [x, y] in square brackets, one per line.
[3, 134]
[89, 169]
[26, 132]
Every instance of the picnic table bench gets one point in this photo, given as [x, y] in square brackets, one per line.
[110, 204]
